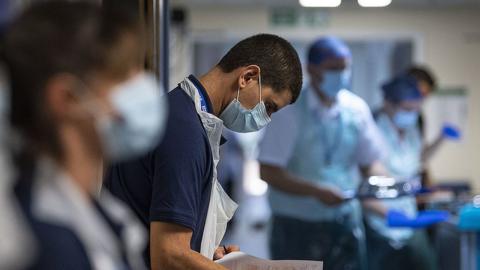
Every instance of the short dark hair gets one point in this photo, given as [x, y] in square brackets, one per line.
[54, 37]
[423, 74]
[279, 62]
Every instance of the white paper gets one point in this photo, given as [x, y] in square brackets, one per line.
[242, 261]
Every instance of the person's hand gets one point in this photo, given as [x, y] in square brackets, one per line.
[451, 132]
[224, 250]
[329, 196]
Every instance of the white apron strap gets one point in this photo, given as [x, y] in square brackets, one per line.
[221, 207]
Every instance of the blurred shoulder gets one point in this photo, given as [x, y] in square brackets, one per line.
[352, 101]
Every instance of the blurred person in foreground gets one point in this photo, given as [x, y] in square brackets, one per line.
[15, 237]
[79, 98]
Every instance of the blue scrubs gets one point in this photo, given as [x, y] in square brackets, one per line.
[326, 146]
[398, 248]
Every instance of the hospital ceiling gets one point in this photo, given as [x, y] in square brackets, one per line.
[345, 3]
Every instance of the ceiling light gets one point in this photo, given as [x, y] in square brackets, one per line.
[320, 3]
[374, 3]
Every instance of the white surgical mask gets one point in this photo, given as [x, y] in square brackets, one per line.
[142, 115]
[333, 82]
[237, 118]
[404, 119]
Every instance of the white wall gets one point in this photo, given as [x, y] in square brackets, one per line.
[448, 40]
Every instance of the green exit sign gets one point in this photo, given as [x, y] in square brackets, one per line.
[293, 17]
[284, 17]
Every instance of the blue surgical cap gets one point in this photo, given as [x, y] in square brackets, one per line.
[327, 48]
[401, 88]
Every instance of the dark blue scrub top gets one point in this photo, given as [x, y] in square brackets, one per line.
[173, 182]
[57, 246]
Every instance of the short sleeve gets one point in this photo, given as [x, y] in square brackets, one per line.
[370, 139]
[180, 165]
[278, 142]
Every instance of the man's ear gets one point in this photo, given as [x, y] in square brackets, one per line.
[248, 74]
[59, 97]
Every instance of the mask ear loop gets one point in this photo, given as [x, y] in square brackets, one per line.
[260, 86]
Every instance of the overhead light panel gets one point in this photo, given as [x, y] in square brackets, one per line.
[374, 3]
[320, 3]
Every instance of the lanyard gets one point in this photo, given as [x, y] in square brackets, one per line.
[330, 148]
[203, 102]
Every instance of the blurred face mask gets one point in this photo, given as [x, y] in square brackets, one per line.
[333, 82]
[141, 115]
[239, 119]
[404, 119]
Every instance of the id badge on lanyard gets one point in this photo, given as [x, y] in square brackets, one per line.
[331, 146]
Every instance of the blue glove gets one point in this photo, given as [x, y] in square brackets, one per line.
[451, 132]
[431, 217]
[397, 219]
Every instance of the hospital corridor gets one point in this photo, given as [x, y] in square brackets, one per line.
[240, 134]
